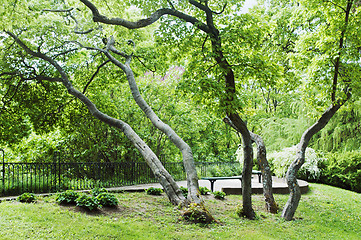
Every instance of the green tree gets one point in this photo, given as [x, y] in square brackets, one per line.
[55, 61]
[327, 52]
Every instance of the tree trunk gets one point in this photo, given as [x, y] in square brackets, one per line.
[166, 180]
[271, 205]
[237, 122]
[291, 175]
[295, 194]
[214, 35]
[188, 161]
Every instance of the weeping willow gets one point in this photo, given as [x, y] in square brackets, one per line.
[343, 133]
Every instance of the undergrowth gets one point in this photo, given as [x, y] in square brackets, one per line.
[324, 213]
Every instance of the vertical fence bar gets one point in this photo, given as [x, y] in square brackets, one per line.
[3, 170]
[59, 166]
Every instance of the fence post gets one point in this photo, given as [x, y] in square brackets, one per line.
[59, 166]
[3, 170]
[56, 171]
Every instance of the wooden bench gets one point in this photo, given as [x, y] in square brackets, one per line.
[213, 179]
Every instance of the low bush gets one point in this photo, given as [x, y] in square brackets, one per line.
[342, 170]
[281, 160]
[204, 190]
[87, 202]
[27, 198]
[67, 197]
[154, 191]
[184, 191]
[197, 214]
[107, 200]
[96, 191]
[219, 195]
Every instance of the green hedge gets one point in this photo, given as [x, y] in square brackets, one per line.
[342, 170]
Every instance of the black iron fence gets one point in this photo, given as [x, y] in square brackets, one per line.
[18, 178]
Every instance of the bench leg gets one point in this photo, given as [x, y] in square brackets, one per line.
[212, 184]
[259, 177]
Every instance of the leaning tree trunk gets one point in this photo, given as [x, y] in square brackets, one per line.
[237, 122]
[291, 175]
[188, 161]
[271, 204]
[295, 194]
[166, 180]
[210, 29]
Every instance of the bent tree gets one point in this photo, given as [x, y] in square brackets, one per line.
[188, 161]
[213, 33]
[202, 17]
[166, 180]
[171, 188]
[330, 48]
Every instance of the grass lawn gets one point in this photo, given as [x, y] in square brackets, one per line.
[324, 213]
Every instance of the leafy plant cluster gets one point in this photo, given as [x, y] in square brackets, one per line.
[342, 170]
[184, 191]
[67, 197]
[281, 160]
[154, 191]
[197, 214]
[202, 191]
[99, 198]
[27, 198]
[219, 195]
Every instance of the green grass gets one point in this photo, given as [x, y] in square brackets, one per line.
[324, 213]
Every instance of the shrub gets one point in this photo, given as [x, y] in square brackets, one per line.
[343, 170]
[219, 195]
[67, 197]
[27, 198]
[96, 191]
[197, 214]
[184, 191]
[154, 191]
[204, 190]
[280, 161]
[87, 202]
[107, 200]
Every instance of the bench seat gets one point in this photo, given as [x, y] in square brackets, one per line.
[213, 179]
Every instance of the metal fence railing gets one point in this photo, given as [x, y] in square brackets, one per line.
[17, 178]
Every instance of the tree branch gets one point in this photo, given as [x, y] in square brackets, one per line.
[93, 76]
[69, 14]
[336, 5]
[224, 8]
[97, 17]
[58, 10]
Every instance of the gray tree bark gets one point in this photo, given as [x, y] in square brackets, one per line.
[188, 160]
[171, 188]
[271, 205]
[236, 122]
[291, 175]
[210, 29]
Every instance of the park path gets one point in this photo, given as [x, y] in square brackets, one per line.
[230, 186]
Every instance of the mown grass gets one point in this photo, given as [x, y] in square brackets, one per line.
[324, 213]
